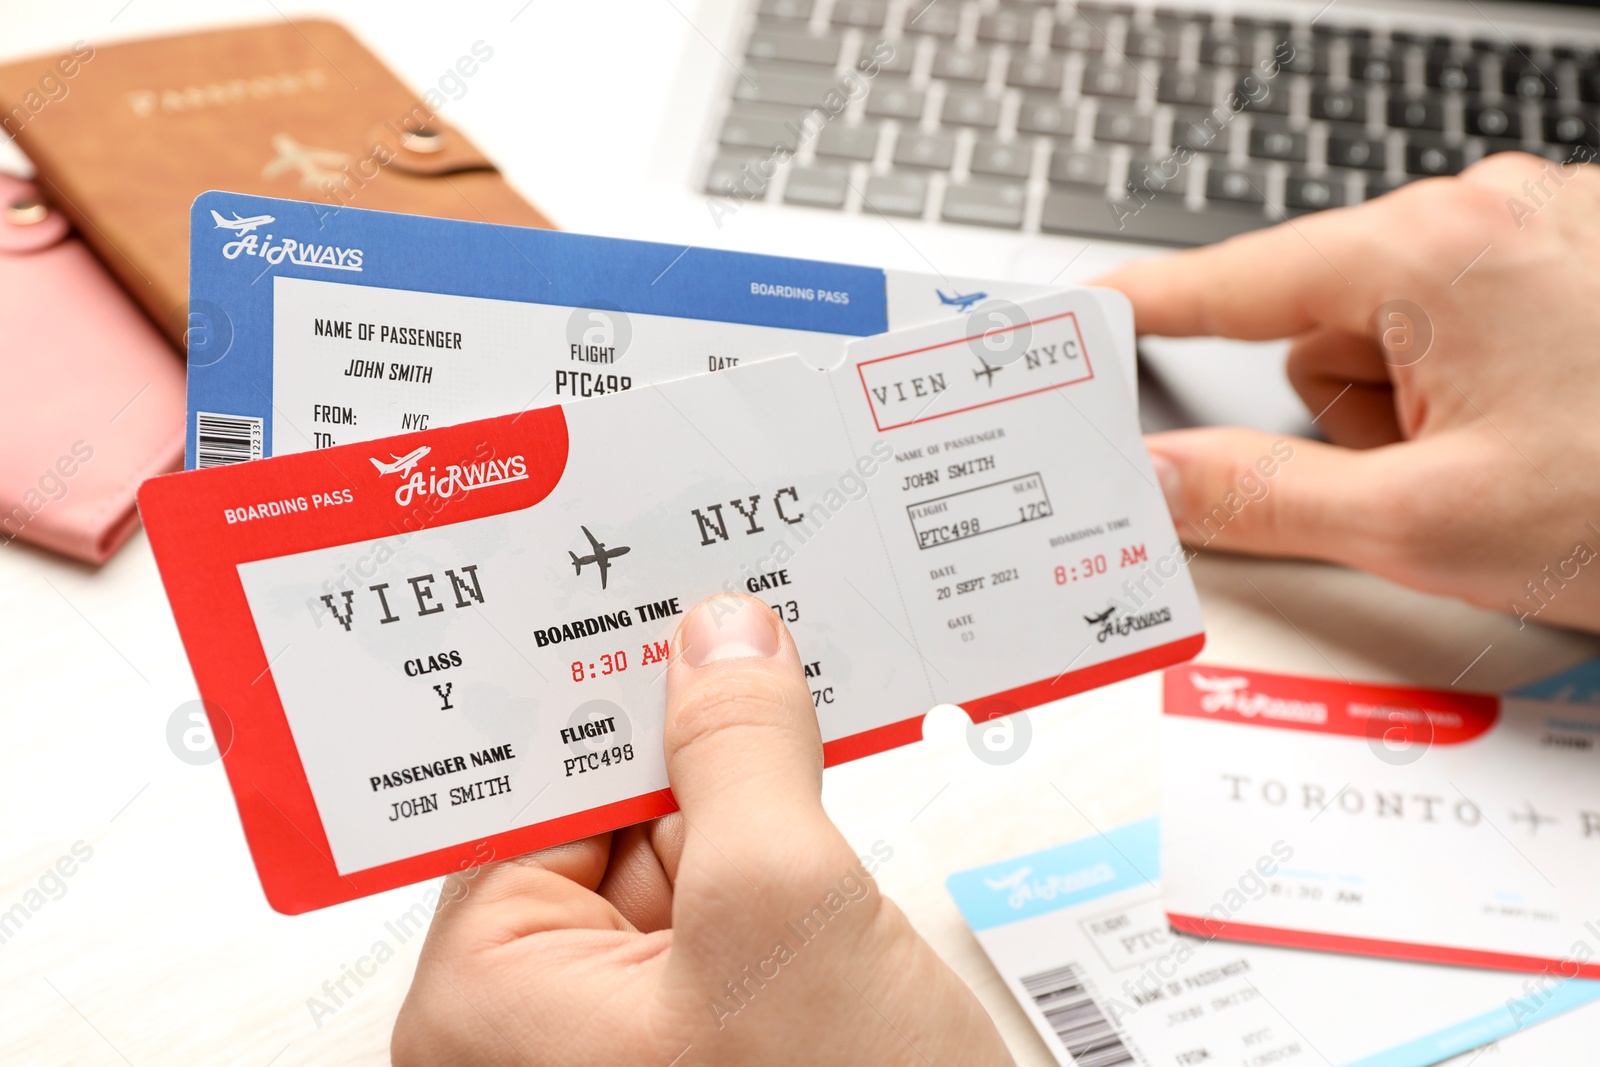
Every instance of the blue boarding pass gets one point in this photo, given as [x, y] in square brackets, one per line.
[1080, 938]
[310, 329]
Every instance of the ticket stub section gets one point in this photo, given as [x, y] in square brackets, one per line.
[1025, 525]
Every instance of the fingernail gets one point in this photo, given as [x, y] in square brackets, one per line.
[1171, 483]
[728, 627]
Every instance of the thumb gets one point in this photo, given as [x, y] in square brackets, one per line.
[1245, 491]
[744, 753]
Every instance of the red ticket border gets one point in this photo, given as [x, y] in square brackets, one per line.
[861, 374]
[1410, 951]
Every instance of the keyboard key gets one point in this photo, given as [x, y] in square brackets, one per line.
[1416, 112]
[935, 18]
[985, 205]
[1435, 41]
[1453, 73]
[1200, 135]
[1338, 105]
[1157, 176]
[1298, 57]
[1569, 128]
[961, 64]
[1001, 159]
[1589, 85]
[1223, 50]
[1430, 160]
[758, 131]
[794, 48]
[1183, 87]
[902, 56]
[1252, 24]
[1162, 221]
[1034, 72]
[1353, 150]
[761, 86]
[915, 149]
[1500, 46]
[1077, 35]
[1123, 127]
[1270, 143]
[1377, 185]
[1529, 83]
[1262, 96]
[1048, 117]
[1102, 16]
[848, 142]
[896, 194]
[1375, 65]
[1329, 30]
[735, 175]
[1303, 192]
[1177, 16]
[1099, 8]
[1151, 44]
[895, 102]
[1229, 185]
[1105, 78]
[969, 107]
[1495, 119]
[1071, 167]
[1006, 27]
[799, 10]
[868, 14]
[816, 187]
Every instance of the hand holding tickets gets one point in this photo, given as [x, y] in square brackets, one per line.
[618, 949]
[448, 646]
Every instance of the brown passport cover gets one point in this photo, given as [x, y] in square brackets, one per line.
[126, 141]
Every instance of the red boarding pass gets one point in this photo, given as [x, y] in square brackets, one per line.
[1428, 825]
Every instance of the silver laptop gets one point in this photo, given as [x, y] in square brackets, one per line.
[1124, 127]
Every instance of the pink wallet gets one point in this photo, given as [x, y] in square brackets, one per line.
[91, 395]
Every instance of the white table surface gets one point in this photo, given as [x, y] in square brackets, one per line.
[162, 950]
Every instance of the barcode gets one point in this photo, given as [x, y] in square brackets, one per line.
[223, 439]
[1083, 1028]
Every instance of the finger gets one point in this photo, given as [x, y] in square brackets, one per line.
[547, 890]
[1278, 282]
[1242, 490]
[666, 837]
[1346, 388]
[636, 882]
[744, 754]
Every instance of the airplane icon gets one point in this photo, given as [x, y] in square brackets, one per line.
[1096, 620]
[602, 556]
[963, 303]
[987, 373]
[1010, 881]
[402, 465]
[1531, 816]
[241, 226]
[316, 165]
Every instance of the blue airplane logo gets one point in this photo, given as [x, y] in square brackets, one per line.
[963, 303]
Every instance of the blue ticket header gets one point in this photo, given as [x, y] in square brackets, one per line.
[239, 244]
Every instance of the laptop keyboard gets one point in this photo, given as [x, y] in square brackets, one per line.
[1169, 125]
